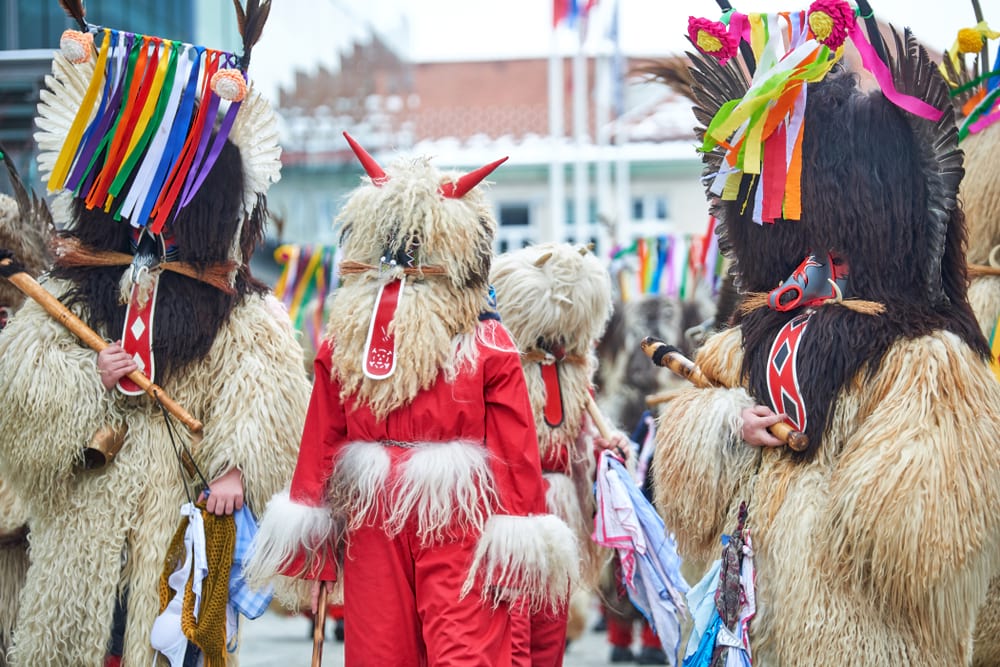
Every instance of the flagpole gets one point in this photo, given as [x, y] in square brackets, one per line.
[557, 128]
[581, 137]
[623, 187]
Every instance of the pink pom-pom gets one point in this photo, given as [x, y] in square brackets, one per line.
[712, 38]
[830, 20]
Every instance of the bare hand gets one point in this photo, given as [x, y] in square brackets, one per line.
[617, 443]
[314, 594]
[225, 493]
[114, 363]
[756, 420]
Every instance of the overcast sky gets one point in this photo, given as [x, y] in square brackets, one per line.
[303, 34]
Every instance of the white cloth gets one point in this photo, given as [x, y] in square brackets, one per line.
[167, 637]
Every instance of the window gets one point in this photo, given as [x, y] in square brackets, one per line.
[638, 208]
[662, 212]
[514, 215]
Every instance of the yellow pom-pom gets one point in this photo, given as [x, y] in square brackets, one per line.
[229, 84]
[708, 43]
[821, 24]
[969, 40]
[76, 46]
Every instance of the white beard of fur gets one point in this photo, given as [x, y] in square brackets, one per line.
[531, 562]
[431, 327]
[447, 487]
[146, 282]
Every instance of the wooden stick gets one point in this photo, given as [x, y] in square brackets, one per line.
[319, 628]
[79, 328]
[670, 357]
[598, 418]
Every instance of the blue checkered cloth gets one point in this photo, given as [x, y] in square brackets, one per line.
[249, 602]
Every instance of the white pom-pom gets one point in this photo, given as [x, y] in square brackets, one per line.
[76, 46]
[229, 84]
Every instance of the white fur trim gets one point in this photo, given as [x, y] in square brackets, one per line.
[287, 528]
[358, 485]
[449, 487]
[529, 560]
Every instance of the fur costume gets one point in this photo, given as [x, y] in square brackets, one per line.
[418, 468]
[25, 227]
[876, 544]
[555, 299]
[980, 197]
[224, 350]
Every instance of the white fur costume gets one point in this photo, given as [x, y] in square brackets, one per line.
[116, 523]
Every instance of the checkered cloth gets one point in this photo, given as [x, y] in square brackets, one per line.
[247, 601]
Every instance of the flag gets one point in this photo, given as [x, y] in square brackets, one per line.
[570, 11]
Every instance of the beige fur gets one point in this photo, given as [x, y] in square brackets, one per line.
[980, 196]
[13, 563]
[437, 229]
[250, 391]
[548, 295]
[980, 193]
[878, 552]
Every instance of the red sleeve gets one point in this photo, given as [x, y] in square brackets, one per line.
[510, 430]
[325, 430]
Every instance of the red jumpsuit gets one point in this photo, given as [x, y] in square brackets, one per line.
[419, 491]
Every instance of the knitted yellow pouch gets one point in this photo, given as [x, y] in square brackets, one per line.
[208, 632]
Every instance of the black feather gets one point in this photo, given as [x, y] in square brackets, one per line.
[75, 10]
[251, 21]
[941, 161]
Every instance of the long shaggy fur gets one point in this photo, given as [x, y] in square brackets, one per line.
[447, 487]
[892, 508]
[13, 563]
[980, 198]
[552, 297]
[85, 521]
[436, 232]
[894, 516]
[529, 561]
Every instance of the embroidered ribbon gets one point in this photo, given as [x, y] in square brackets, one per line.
[782, 373]
[380, 345]
[137, 335]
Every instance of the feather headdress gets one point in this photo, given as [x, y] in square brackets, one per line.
[132, 124]
[975, 88]
[975, 92]
[757, 127]
[877, 187]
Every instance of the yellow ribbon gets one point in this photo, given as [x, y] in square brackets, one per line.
[61, 169]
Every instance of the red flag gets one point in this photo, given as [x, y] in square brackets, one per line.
[560, 10]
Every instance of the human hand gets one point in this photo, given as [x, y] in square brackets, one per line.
[225, 494]
[617, 443]
[314, 593]
[756, 421]
[114, 363]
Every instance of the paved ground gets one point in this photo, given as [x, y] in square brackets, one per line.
[277, 641]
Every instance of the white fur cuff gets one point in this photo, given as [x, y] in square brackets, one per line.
[287, 529]
[530, 560]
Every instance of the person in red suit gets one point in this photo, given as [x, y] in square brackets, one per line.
[418, 484]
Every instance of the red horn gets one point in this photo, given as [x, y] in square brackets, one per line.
[367, 161]
[465, 183]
